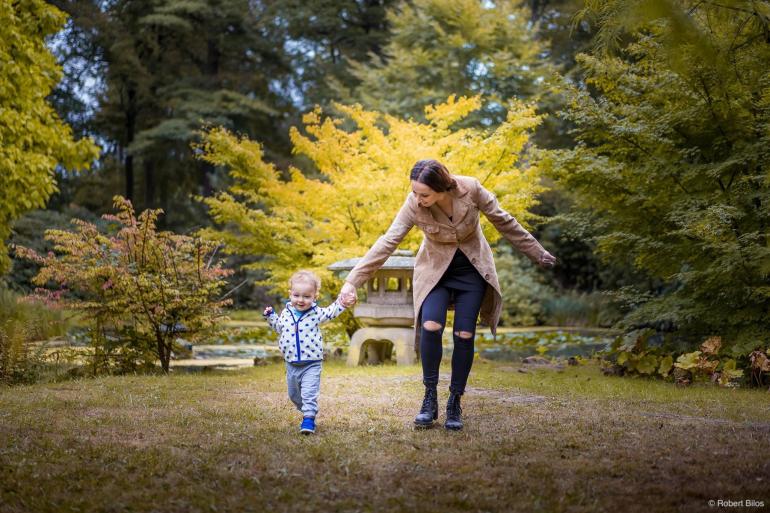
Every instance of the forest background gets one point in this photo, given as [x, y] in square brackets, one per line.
[635, 137]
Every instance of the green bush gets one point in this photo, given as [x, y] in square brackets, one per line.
[672, 160]
[571, 308]
[650, 353]
[529, 300]
[524, 291]
[140, 289]
[29, 231]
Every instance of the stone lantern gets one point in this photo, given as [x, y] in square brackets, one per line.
[387, 313]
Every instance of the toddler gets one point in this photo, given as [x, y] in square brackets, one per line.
[301, 344]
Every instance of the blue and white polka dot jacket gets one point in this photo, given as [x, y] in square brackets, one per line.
[300, 337]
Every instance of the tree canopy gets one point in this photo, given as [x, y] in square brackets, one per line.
[33, 139]
[364, 158]
[672, 159]
[460, 47]
[167, 68]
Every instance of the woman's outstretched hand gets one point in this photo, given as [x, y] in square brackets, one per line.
[348, 296]
[547, 260]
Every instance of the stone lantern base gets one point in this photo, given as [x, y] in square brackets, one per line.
[373, 345]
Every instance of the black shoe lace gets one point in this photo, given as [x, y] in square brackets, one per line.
[455, 410]
[428, 401]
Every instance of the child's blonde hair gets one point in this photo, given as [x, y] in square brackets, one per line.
[307, 277]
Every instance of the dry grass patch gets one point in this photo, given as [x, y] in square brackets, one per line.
[228, 441]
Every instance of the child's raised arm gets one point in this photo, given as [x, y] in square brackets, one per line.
[272, 319]
[330, 312]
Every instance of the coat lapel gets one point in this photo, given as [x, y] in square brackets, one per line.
[459, 209]
[439, 216]
[459, 206]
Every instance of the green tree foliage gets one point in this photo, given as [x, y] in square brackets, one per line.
[141, 288]
[166, 68]
[321, 37]
[29, 231]
[523, 291]
[462, 47]
[565, 34]
[33, 139]
[672, 160]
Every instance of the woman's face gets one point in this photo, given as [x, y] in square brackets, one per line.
[425, 195]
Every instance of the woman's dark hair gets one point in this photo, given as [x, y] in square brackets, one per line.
[433, 174]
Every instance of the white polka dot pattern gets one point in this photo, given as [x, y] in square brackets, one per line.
[300, 338]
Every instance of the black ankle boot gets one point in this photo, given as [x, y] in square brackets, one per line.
[454, 412]
[429, 411]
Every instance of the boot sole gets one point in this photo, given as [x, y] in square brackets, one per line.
[426, 425]
[448, 428]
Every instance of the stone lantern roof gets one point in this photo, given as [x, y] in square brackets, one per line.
[388, 293]
[401, 259]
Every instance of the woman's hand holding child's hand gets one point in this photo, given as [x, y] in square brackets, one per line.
[348, 295]
[347, 300]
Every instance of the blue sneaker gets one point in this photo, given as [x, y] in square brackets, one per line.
[308, 426]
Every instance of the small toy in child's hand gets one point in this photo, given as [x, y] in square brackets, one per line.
[268, 311]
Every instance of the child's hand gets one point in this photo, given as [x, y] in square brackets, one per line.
[268, 311]
[347, 300]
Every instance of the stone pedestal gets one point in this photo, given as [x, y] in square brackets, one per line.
[387, 313]
[374, 345]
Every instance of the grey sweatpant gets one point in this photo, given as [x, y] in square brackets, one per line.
[304, 382]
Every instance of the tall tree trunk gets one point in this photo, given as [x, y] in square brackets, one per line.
[205, 170]
[149, 182]
[129, 176]
[211, 70]
[130, 133]
[164, 354]
[164, 201]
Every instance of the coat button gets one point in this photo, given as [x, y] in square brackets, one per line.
[473, 260]
[486, 277]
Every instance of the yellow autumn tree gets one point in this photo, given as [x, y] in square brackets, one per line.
[33, 139]
[364, 159]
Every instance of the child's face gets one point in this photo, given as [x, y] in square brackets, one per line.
[302, 294]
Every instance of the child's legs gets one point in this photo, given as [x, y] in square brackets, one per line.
[310, 388]
[292, 380]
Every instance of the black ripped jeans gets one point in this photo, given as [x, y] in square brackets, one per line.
[434, 308]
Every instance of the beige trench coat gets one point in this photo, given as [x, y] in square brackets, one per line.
[443, 237]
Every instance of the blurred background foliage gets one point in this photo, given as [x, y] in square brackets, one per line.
[652, 146]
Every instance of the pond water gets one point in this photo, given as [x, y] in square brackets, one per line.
[202, 352]
[552, 344]
[512, 346]
[507, 346]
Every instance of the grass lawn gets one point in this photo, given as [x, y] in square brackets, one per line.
[228, 441]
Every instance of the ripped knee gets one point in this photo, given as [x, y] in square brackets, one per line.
[464, 334]
[431, 325]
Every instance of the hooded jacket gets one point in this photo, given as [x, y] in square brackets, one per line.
[299, 335]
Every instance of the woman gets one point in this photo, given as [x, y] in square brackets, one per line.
[453, 266]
